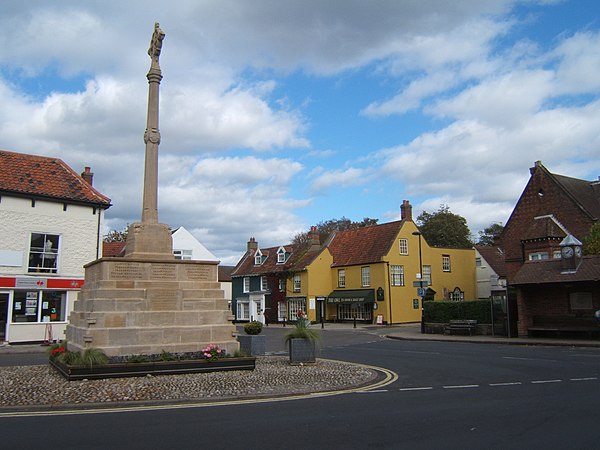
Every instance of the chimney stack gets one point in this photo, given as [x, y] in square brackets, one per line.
[406, 211]
[314, 239]
[88, 176]
[252, 245]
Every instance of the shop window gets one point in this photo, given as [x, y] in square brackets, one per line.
[296, 306]
[39, 306]
[43, 253]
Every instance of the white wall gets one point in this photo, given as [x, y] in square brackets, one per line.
[184, 240]
[77, 228]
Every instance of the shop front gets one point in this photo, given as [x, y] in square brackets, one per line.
[35, 309]
[351, 305]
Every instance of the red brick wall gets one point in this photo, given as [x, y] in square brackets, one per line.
[553, 201]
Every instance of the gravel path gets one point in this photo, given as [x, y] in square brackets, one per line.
[27, 386]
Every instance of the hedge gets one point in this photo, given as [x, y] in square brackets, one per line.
[444, 312]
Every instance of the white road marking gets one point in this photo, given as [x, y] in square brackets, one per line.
[464, 386]
[584, 379]
[428, 388]
[546, 381]
[512, 383]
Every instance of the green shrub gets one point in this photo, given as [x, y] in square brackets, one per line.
[302, 330]
[444, 312]
[135, 359]
[167, 356]
[253, 328]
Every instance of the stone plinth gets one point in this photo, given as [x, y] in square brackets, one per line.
[149, 241]
[131, 306]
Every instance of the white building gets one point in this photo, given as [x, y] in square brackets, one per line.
[186, 246]
[50, 227]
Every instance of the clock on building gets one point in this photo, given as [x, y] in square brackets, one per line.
[578, 251]
[567, 252]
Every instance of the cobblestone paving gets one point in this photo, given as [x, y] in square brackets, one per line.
[24, 386]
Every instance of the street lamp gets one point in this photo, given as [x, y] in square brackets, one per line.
[418, 233]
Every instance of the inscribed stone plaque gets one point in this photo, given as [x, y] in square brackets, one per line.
[163, 272]
[126, 271]
[162, 300]
[198, 273]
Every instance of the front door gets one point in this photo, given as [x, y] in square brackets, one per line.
[3, 314]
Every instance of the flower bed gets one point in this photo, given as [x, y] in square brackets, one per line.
[93, 364]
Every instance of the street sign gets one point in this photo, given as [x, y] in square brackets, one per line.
[421, 292]
[417, 283]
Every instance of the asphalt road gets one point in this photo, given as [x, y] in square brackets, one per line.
[447, 395]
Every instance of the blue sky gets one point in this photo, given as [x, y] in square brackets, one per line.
[276, 115]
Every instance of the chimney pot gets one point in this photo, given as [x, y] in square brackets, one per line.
[88, 176]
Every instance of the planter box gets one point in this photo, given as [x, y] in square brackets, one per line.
[253, 345]
[302, 351]
[152, 368]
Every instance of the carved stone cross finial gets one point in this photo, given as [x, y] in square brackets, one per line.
[156, 43]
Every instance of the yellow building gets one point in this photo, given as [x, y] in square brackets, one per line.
[373, 274]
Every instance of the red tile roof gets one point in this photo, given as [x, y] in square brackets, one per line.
[298, 259]
[225, 273]
[494, 256]
[113, 249]
[364, 245]
[40, 176]
[544, 272]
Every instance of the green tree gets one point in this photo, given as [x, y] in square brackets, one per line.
[116, 236]
[444, 229]
[591, 243]
[489, 234]
[325, 228]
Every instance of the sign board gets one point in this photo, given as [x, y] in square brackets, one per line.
[421, 292]
[415, 303]
[379, 319]
[28, 283]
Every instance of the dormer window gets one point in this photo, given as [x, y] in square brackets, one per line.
[258, 258]
[281, 255]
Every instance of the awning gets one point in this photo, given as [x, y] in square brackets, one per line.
[357, 296]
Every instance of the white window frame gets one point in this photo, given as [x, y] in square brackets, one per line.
[426, 275]
[341, 278]
[295, 304]
[183, 254]
[539, 256]
[365, 276]
[246, 284]
[46, 254]
[242, 310]
[403, 246]
[258, 258]
[281, 256]
[446, 264]
[397, 275]
[297, 283]
[264, 285]
[282, 285]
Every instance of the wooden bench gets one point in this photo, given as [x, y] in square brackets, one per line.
[564, 326]
[460, 326]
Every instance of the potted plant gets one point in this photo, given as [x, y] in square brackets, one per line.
[302, 342]
[252, 343]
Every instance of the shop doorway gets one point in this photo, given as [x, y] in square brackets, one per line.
[3, 314]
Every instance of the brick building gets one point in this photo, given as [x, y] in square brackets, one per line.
[556, 287]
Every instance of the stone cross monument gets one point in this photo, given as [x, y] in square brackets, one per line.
[149, 239]
[147, 302]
